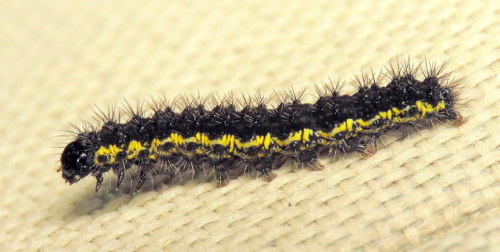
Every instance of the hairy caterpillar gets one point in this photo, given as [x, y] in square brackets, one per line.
[249, 134]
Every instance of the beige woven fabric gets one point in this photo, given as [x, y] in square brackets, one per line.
[439, 190]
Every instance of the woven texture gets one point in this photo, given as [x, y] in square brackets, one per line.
[437, 190]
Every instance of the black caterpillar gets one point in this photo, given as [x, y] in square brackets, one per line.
[248, 134]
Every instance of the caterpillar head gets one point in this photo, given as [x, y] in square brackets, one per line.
[76, 161]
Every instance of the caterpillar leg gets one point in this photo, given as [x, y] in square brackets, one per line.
[98, 176]
[270, 176]
[369, 151]
[264, 166]
[119, 171]
[222, 171]
[99, 179]
[459, 121]
[310, 159]
[316, 166]
[279, 161]
[120, 174]
[222, 178]
[141, 181]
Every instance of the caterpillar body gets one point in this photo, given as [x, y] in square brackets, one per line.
[250, 134]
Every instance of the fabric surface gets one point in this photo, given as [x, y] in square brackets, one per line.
[433, 191]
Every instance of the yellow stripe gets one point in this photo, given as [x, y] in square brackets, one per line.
[134, 147]
[110, 152]
[307, 134]
[235, 145]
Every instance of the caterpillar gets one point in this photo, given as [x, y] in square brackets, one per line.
[252, 135]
